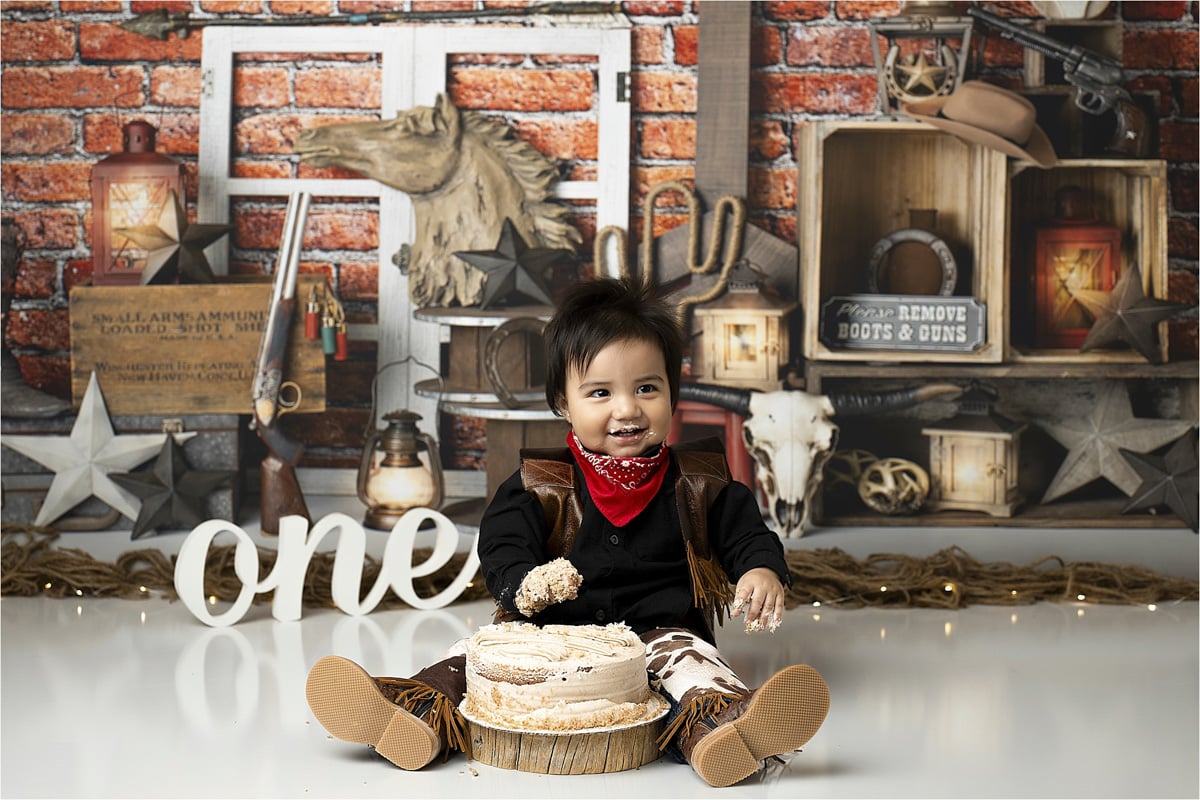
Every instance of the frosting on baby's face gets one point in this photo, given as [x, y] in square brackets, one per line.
[620, 405]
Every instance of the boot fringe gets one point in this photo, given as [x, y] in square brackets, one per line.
[434, 709]
[706, 705]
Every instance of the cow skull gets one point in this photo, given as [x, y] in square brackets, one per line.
[791, 435]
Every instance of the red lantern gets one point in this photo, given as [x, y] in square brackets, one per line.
[1075, 251]
[129, 189]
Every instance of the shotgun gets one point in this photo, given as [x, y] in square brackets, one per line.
[272, 396]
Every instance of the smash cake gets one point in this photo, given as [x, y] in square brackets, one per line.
[558, 679]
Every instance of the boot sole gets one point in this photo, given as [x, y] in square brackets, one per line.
[783, 714]
[348, 703]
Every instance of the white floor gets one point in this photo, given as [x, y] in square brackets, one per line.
[110, 698]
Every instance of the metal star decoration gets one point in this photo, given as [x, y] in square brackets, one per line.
[1095, 442]
[176, 247]
[83, 460]
[1168, 480]
[172, 493]
[920, 73]
[514, 268]
[1126, 315]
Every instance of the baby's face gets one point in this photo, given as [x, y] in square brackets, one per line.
[621, 404]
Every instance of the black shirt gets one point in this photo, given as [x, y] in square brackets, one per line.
[637, 574]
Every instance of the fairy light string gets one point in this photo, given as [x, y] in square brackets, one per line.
[949, 578]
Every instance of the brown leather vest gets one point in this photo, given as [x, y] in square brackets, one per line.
[549, 474]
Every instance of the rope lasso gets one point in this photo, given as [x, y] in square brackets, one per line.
[950, 578]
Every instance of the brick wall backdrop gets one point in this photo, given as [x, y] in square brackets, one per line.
[71, 77]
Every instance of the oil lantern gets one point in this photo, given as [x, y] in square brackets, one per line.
[745, 337]
[392, 478]
[973, 459]
[1073, 251]
[129, 189]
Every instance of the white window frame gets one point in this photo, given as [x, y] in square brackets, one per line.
[414, 60]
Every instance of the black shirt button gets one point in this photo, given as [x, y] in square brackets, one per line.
[615, 539]
[601, 616]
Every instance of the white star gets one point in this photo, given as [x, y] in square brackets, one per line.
[82, 461]
[1095, 441]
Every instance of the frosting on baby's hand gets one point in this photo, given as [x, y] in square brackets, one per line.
[546, 585]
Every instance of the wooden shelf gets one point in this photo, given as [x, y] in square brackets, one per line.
[816, 372]
[1081, 514]
[989, 211]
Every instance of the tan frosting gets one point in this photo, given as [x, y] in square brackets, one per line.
[558, 678]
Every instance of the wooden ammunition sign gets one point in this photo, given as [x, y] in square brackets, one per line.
[187, 349]
[904, 322]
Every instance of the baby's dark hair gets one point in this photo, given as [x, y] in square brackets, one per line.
[597, 313]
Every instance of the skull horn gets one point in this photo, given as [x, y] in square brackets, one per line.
[856, 404]
[729, 398]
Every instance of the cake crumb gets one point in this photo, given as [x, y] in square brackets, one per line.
[772, 625]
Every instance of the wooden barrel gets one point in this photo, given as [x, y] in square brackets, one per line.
[607, 750]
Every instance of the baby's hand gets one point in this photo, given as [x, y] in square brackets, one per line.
[760, 596]
[546, 585]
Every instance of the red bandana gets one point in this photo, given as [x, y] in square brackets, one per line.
[620, 487]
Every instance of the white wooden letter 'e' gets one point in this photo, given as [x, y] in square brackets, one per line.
[296, 547]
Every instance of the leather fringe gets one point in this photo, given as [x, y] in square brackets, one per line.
[706, 705]
[434, 709]
[711, 590]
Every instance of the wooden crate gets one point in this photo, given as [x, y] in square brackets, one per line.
[186, 349]
[858, 181]
[1131, 194]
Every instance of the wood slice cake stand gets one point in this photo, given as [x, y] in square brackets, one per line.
[567, 753]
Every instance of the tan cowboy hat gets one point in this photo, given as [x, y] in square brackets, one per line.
[989, 115]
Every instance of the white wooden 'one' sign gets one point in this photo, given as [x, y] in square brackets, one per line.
[296, 548]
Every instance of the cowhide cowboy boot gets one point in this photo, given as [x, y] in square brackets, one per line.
[408, 721]
[778, 717]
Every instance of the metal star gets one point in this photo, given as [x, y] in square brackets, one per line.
[82, 461]
[172, 493]
[1126, 315]
[176, 247]
[1170, 480]
[920, 73]
[1095, 443]
[513, 268]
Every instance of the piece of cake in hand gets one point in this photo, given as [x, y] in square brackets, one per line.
[546, 585]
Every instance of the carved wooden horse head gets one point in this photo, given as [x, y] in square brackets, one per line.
[465, 174]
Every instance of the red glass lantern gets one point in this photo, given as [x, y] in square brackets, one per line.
[1074, 251]
[129, 189]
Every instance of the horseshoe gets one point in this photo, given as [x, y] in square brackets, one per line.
[491, 349]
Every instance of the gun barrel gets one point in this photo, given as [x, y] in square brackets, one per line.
[1022, 35]
[288, 257]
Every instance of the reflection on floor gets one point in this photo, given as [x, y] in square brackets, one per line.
[111, 698]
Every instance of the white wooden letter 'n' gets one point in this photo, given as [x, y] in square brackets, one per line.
[295, 550]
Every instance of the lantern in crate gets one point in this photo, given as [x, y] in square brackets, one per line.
[745, 337]
[1072, 252]
[130, 189]
[392, 478]
[973, 459]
